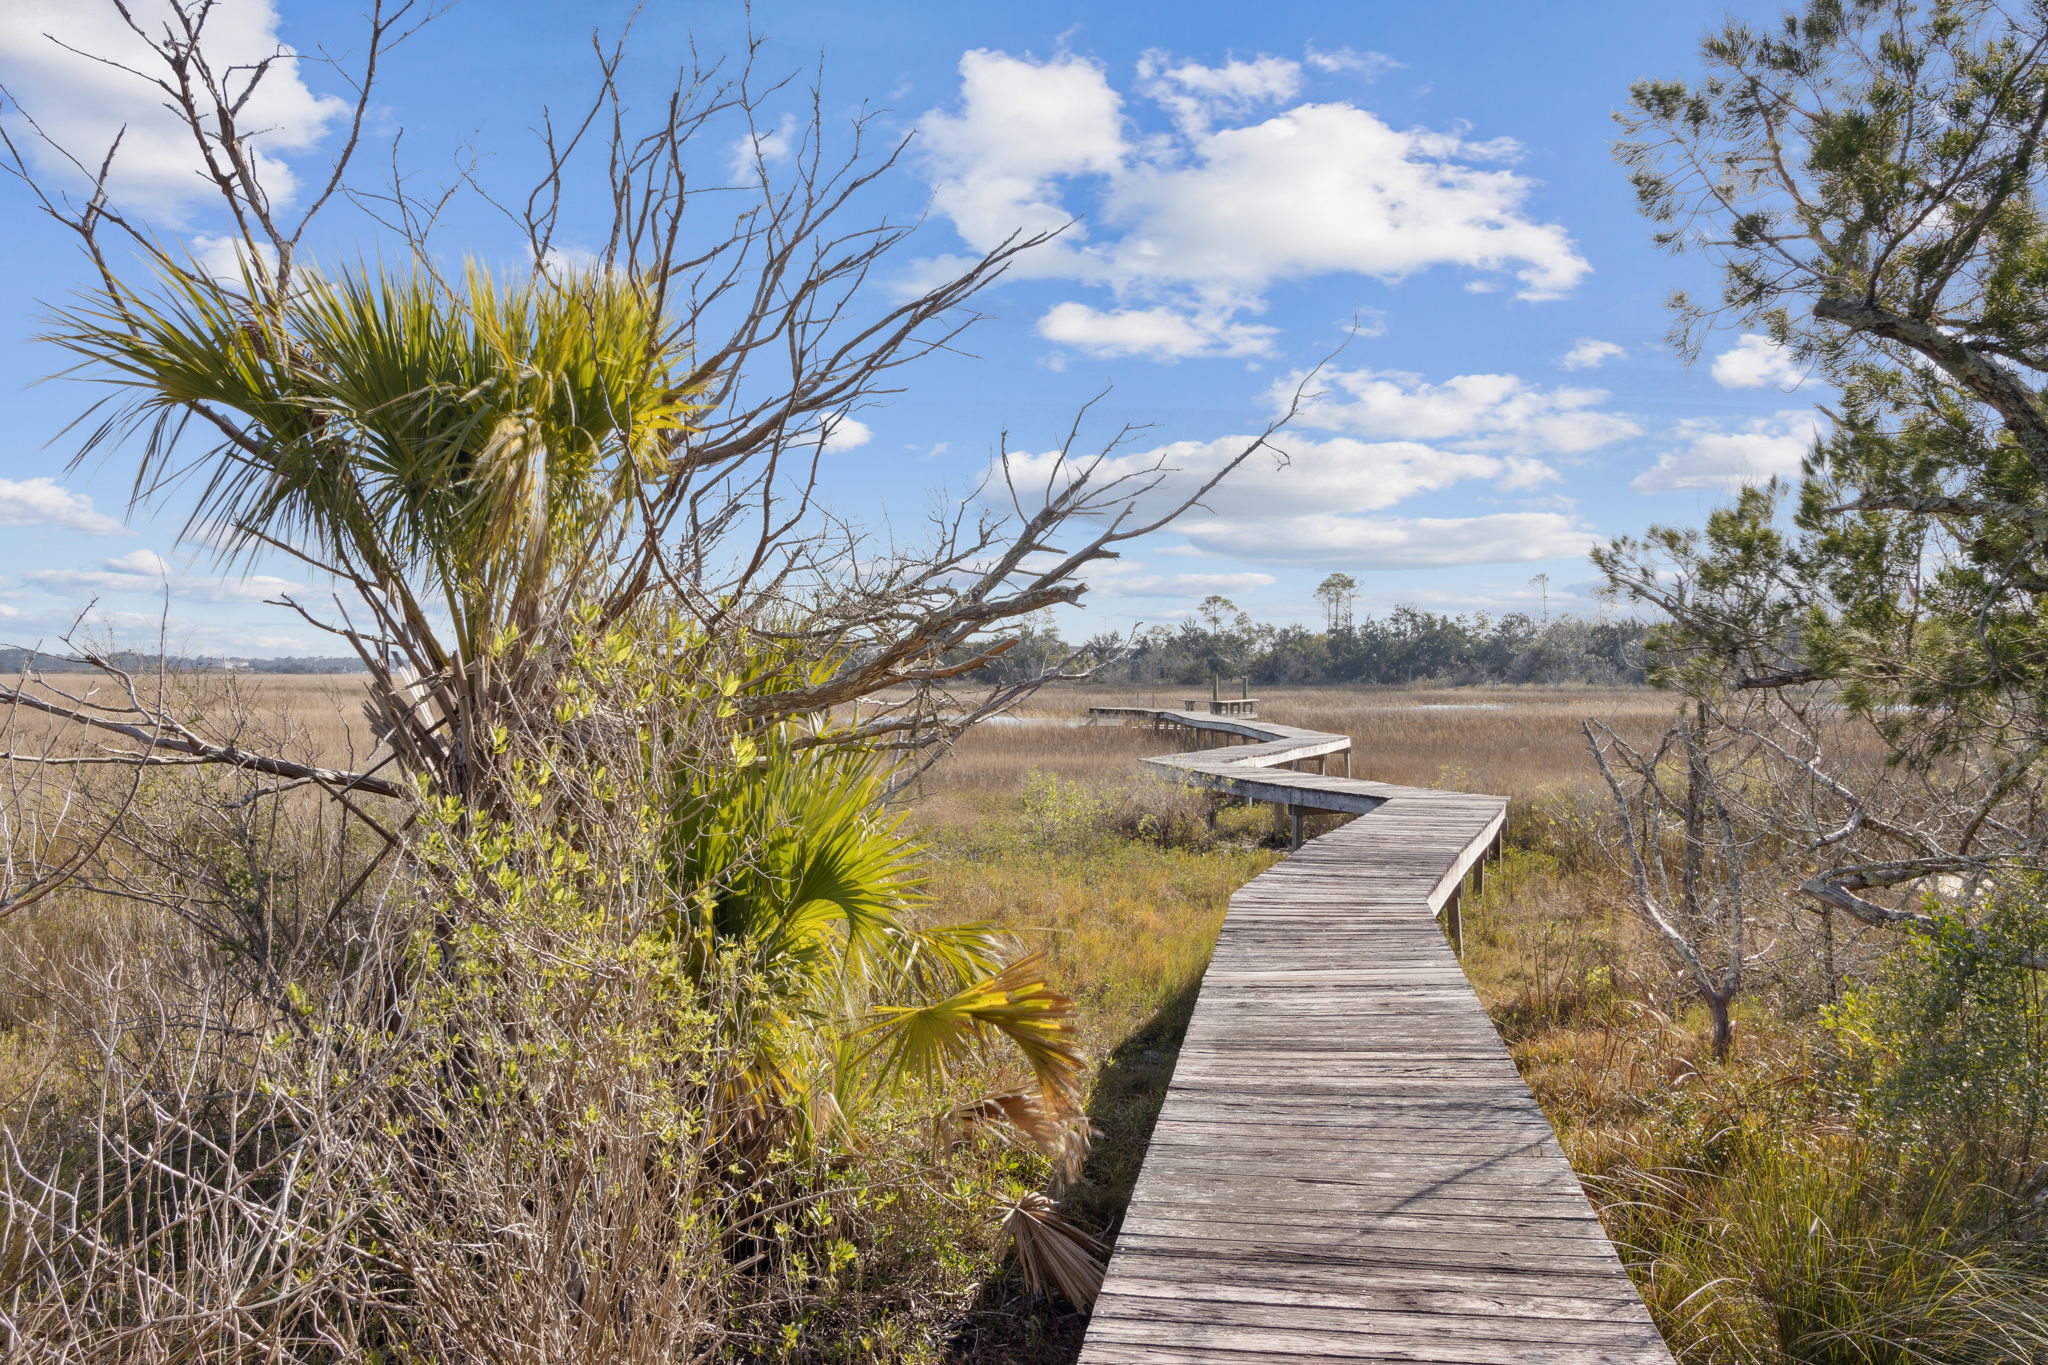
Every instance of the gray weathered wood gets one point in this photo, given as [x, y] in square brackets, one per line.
[1348, 1166]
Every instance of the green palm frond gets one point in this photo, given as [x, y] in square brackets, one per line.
[1014, 1004]
[480, 441]
[798, 857]
[794, 863]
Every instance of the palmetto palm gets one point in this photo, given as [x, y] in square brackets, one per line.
[467, 456]
[792, 864]
[481, 454]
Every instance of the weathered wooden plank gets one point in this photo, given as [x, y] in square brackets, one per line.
[1279, 1282]
[1348, 1166]
[1449, 1263]
[1408, 1341]
[1233, 1310]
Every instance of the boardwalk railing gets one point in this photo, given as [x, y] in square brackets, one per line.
[1348, 1166]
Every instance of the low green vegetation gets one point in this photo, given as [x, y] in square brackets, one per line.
[1856, 1182]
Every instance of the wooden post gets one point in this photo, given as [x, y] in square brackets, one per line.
[1293, 828]
[1454, 928]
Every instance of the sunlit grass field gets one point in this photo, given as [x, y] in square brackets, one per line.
[1046, 824]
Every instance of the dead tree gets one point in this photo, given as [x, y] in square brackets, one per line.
[1898, 816]
[1687, 856]
[765, 278]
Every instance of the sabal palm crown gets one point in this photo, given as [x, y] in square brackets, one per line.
[477, 443]
[793, 862]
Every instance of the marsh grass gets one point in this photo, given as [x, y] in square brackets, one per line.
[1761, 1224]
[1513, 741]
[1821, 1247]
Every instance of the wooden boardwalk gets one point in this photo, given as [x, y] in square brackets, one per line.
[1348, 1166]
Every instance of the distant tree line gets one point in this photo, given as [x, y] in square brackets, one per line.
[14, 660]
[1408, 645]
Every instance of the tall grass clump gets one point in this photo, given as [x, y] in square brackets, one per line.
[1830, 1250]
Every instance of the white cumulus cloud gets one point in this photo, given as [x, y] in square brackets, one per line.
[227, 258]
[1022, 127]
[1159, 333]
[1718, 455]
[1118, 580]
[846, 433]
[1371, 65]
[1317, 497]
[1488, 411]
[763, 148]
[1755, 362]
[1195, 95]
[1242, 195]
[1401, 542]
[45, 502]
[1313, 476]
[1325, 189]
[1590, 353]
[84, 104]
[147, 571]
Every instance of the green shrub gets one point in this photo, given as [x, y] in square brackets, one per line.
[1062, 815]
[1945, 1050]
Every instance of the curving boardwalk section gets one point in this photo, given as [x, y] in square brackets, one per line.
[1347, 1166]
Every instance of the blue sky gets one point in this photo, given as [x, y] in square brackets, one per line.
[1252, 183]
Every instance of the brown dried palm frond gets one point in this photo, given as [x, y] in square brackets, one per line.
[1056, 1253]
[1062, 1137]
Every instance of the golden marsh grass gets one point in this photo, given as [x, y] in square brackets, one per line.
[1046, 825]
